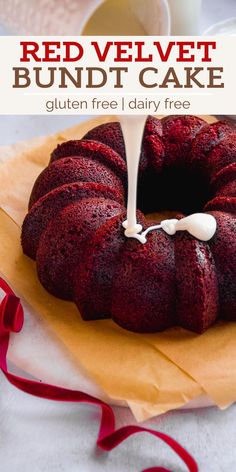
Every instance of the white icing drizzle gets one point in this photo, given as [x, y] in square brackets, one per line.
[200, 225]
[132, 129]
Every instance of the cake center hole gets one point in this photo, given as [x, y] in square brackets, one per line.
[174, 189]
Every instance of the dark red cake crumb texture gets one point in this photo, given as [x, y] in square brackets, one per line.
[68, 170]
[60, 251]
[74, 226]
[52, 203]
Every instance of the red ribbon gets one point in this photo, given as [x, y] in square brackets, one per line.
[11, 319]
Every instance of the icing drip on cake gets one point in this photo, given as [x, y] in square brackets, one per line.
[200, 225]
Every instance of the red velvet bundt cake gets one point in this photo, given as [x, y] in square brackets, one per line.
[74, 226]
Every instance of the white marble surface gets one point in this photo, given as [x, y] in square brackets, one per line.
[42, 436]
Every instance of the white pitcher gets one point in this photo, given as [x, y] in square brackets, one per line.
[70, 17]
[73, 17]
[138, 17]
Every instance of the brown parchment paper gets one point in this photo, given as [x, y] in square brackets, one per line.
[152, 373]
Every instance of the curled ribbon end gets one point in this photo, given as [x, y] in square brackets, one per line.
[11, 313]
[11, 319]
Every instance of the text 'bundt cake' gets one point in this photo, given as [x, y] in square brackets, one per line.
[74, 226]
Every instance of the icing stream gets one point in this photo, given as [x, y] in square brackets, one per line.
[132, 129]
[200, 225]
